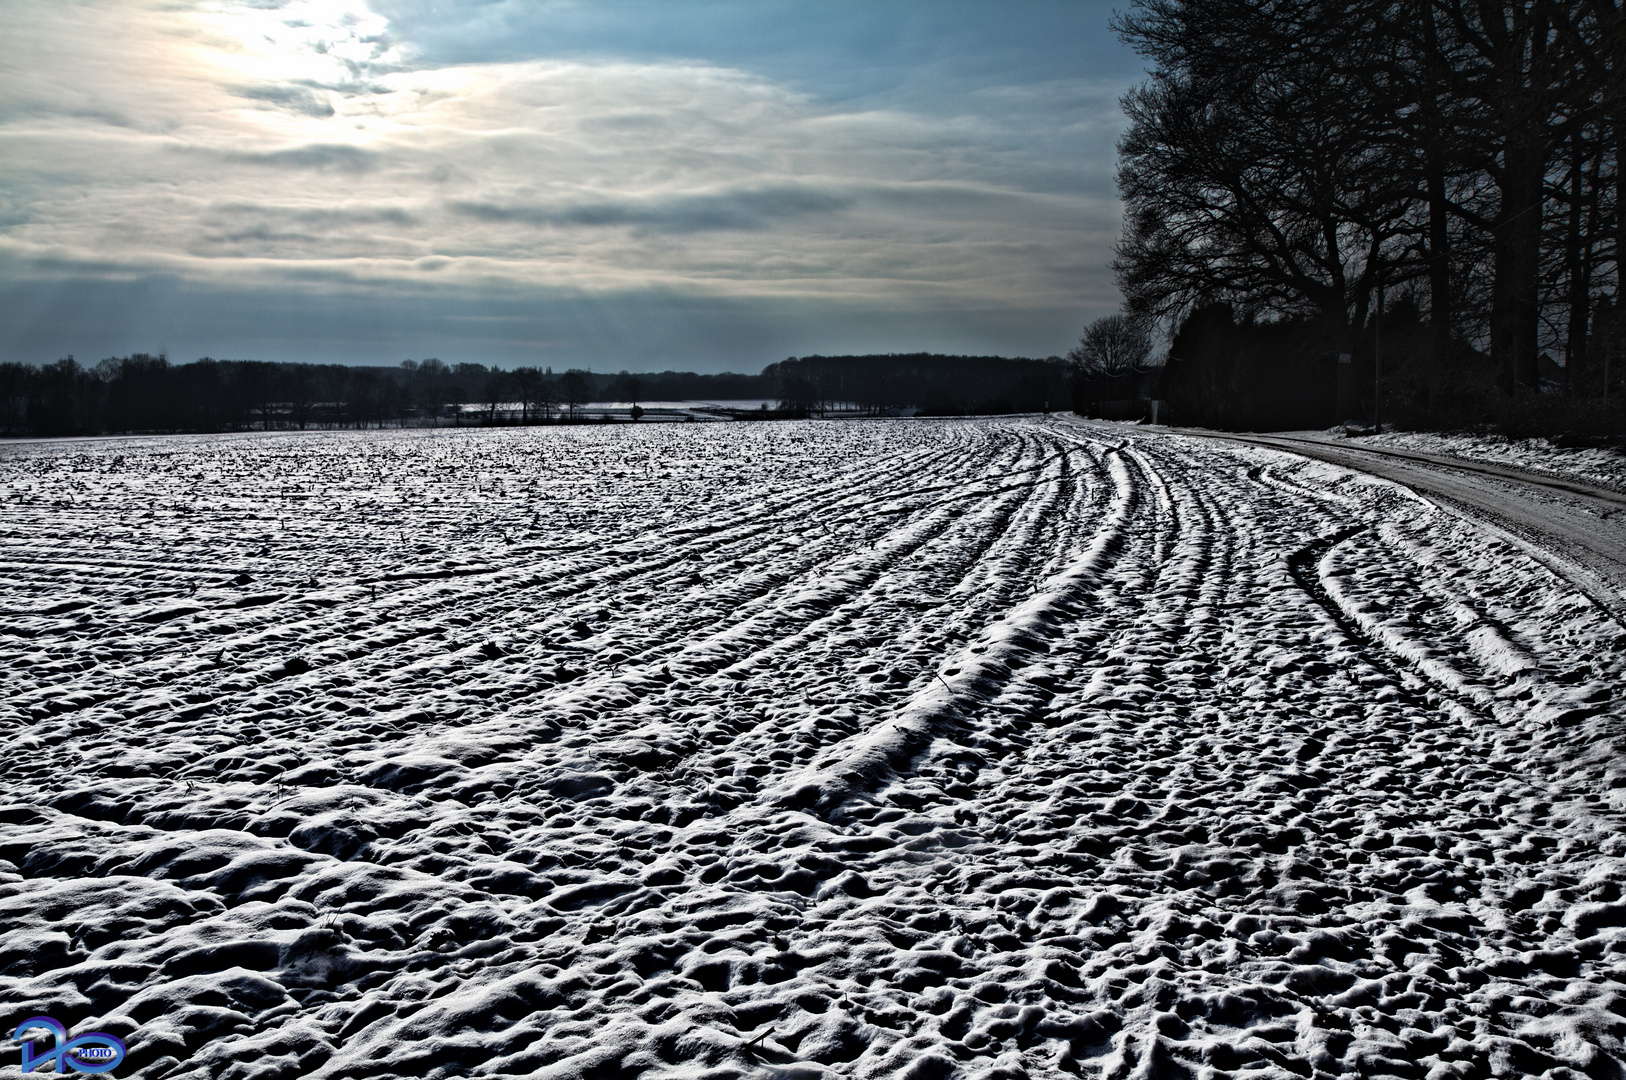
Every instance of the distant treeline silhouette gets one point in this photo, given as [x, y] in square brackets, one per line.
[143, 393]
[927, 383]
[1297, 163]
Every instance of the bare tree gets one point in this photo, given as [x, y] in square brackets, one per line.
[547, 394]
[1290, 159]
[1255, 169]
[496, 393]
[574, 391]
[528, 386]
[1112, 345]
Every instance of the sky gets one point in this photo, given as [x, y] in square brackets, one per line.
[627, 184]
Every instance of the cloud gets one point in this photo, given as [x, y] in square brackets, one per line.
[746, 209]
[323, 157]
[275, 148]
[299, 99]
[302, 313]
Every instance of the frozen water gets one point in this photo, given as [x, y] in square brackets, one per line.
[897, 748]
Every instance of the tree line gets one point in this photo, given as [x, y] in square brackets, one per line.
[1314, 163]
[929, 384]
[143, 393]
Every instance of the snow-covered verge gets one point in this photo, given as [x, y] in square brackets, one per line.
[1602, 465]
[898, 748]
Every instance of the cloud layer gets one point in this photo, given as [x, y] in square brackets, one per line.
[303, 181]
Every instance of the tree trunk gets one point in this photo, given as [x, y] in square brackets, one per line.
[1515, 315]
[1578, 267]
[1617, 338]
[1441, 307]
[1612, 23]
[1439, 277]
[1524, 92]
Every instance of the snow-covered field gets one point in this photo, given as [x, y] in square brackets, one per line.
[998, 748]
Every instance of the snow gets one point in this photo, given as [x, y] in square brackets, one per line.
[1604, 466]
[990, 748]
